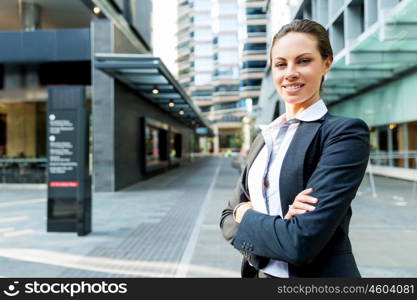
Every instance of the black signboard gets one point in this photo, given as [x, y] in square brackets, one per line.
[69, 181]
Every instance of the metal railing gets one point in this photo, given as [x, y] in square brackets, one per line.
[404, 159]
[23, 170]
[375, 159]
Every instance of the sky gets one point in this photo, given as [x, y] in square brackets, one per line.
[164, 27]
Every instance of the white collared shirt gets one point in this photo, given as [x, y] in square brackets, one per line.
[255, 181]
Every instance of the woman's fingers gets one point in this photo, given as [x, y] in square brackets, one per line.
[306, 191]
[297, 211]
[300, 205]
[293, 212]
[306, 199]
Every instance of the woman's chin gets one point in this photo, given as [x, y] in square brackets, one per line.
[294, 99]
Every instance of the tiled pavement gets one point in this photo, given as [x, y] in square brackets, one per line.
[146, 230]
[168, 226]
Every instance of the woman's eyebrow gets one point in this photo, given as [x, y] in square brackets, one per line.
[295, 58]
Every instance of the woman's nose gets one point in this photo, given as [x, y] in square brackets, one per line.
[291, 75]
[291, 71]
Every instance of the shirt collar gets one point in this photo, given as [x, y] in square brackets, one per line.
[312, 113]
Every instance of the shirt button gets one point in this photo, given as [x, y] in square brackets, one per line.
[266, 183]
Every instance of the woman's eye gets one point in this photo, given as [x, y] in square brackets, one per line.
[304, 61]
[279, 65]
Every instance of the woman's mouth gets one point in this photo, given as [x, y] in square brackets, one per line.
[293, 89]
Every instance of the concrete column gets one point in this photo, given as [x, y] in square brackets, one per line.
[353, 23]
[202, 144]
[216, 140]
[103, 103]
[371, 12]
[322, 11]
[30, 15]
[246, 128]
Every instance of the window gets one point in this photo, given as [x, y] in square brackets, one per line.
[202, 20]
[205, 108]
[202, 79]
[254, 64]
[254, 11]
[203, 49]
[251, 82]
[224, 8]
[202, 35]
[202, 5]
[155, 146]
[227, 41]
[228, 57]
[225, 25]
[227, 72]
[175, 147]
[255, 46]
[256, 28]
[227, 8]
[201, 93]
[226, 88]
[230, 140]
[203, 65]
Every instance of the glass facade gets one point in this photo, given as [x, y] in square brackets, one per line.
[203, 49]
[203, 64]
[232, 140]
[202, 79]
[227, 57]
[221, 85]
[227, 40]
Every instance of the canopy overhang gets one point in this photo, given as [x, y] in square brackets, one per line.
[149, 77]
[383, 52]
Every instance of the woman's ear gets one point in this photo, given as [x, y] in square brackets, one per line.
[327, 64]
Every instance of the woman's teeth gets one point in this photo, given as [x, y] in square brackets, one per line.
[293, 87]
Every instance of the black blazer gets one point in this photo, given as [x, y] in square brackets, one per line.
[329, 155]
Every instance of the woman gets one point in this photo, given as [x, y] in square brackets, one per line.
[290, 213]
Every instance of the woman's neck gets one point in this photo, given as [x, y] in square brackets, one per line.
[292, 110]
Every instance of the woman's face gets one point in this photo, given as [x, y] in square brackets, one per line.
[297, 68]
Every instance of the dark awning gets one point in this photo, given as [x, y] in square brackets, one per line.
[149, 77]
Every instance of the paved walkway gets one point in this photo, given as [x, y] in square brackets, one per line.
[168, 226]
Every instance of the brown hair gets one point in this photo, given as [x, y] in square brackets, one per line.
[310, 27]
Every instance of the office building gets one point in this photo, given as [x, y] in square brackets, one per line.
[142, 121]
[372, 76]
[221, 46]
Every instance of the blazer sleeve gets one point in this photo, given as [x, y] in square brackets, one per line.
[335, 182]
[227, 224]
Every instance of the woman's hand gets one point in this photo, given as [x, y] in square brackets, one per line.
[240, 210]
[300, 206]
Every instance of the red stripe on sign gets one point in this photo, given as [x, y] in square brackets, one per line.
[63, 184]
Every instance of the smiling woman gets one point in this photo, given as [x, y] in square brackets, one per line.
[299, 63]
[290, 213]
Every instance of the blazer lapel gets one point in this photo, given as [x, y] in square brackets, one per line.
[291, 176]
[256, 147]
